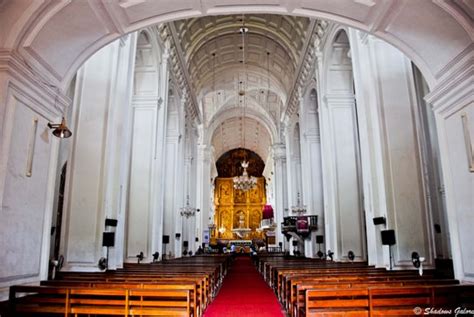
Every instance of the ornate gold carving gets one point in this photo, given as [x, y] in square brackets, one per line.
[225, 195]
[232, 206]
[240, 197]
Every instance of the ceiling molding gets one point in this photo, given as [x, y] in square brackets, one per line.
[179, 71]
[317, 30]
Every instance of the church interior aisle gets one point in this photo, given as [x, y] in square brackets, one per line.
[244, 293]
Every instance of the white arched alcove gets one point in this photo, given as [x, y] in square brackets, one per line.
[344, 218]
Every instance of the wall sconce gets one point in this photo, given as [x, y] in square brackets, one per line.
[60, 130]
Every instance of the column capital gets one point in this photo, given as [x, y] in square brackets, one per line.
[204, 153]
[279, 152]
[454, 91]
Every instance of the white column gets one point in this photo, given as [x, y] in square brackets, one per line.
[145, 192]
[280, 181]
[102, 105]
[370, 144]
[344, 211]
[159, 183]
[171, 184]
[312, 167]
[118, 148]
[347, 217]
[202, 191]
[393, 170]
[291, 173]
[180, 195]
[187, 223]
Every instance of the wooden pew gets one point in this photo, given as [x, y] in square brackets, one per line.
[352, 302]
[149, 302]
[167, 301]
[298, 297]
[40, 300]
[98, 301]
[196, 298]
[382, 301]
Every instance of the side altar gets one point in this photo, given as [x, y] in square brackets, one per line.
[238, 213]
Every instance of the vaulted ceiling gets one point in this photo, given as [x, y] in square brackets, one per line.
[252, 74]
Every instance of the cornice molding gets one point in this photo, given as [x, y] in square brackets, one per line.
[456, 90]
[180, 72]
[306, 65]
[49, 97]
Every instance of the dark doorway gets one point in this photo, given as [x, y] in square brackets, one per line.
[57, 219]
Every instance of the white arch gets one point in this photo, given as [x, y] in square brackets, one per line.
[233, 112]
[37, 30]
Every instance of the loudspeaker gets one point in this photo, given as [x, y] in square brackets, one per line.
[280, 244]
[185, 244]
[294, 243]
[111, 222]
[178, 235]
[166, 239]
[197, 239]
[108, 239]
[379, 221]
[388, 237]
[319, 239]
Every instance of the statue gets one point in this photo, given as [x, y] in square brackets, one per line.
[242, 220]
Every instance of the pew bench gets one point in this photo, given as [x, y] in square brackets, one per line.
[384, 301]
[76, 301]
[337, 302]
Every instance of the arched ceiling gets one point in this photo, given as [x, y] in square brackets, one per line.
[222, 63]
[241, 132]
[54, 38]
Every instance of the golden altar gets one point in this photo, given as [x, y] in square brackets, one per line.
[236, 209]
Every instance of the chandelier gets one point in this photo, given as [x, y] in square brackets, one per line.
[245, 182]
[299, 208]
[187, 211]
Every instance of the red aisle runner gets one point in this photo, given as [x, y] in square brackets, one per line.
[244, 293]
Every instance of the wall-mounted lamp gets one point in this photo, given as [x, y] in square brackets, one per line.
[60, 130]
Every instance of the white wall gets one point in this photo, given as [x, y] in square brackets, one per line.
[452, 100]
[27, 174]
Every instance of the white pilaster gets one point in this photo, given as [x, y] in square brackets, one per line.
[280, 181]
[311, 165]
[159, 163]
[202, 191]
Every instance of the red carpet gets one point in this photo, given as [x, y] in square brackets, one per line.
[244, 293]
